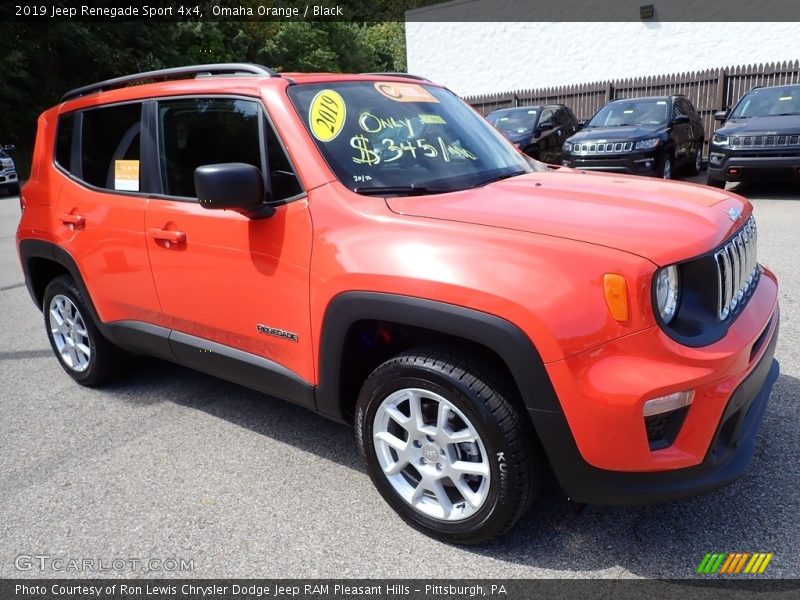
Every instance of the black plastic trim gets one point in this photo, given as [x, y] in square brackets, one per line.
[727, 459]
[29, 249]
[211, 69]
[503, 337]
[243, 368]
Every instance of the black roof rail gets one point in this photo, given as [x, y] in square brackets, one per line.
[397, 74]
[196, 70]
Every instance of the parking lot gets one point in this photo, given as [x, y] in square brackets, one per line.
[167, 463]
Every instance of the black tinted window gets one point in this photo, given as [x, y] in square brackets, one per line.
[204, 131]
[64, 140]
[110, 141]
[283, 179]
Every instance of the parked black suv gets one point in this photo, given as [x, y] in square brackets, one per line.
[539, 131]
[642, 136]
[760, 138]
[8, 171]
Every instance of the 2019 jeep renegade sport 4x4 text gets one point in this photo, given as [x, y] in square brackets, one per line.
[368, 247]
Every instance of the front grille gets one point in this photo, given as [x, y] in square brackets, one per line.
[764, 141]
[737, 270]
[603, 148]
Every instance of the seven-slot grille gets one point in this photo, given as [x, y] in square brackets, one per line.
[764, 141]
[602, 148]
[737, 270]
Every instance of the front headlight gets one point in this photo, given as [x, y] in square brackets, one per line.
[567, 147]
[720, 140]
[666, 292]
[647, 144]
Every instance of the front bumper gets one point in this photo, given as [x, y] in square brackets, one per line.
[634, 163]
[755, 165]
[598, 446]
[8, 177]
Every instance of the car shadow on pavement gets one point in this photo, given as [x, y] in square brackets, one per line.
[755, 514]
[280, 420]
[768, 191]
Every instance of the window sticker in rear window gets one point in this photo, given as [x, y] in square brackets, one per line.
[126, 175]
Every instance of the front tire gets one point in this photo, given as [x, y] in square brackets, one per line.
[83, 352]
[446, 447]
[665, 170]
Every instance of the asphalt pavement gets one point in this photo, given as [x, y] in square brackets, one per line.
[167, 464]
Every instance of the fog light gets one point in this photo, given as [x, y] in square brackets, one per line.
[715, 158]
[663, 404]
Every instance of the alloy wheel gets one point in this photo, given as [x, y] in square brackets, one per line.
[69, 333]
[431, 454]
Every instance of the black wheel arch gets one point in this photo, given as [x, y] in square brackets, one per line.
[496, 334]
[41, 262]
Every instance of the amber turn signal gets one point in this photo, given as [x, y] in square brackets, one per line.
[616, 293]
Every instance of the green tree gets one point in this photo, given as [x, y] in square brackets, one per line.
[40, 62]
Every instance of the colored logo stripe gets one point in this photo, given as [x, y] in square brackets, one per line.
[734, 562]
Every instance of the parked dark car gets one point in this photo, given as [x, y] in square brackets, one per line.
[641, 136]
[539, 131]
[760, 139]
[8, 171]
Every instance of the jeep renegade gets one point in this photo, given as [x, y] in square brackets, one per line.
[369, 247]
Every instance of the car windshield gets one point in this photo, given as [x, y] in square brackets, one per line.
[515, 121]
[631, 112]
[768, 102]
[403, 138]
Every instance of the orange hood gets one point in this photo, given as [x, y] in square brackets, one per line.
[663, 221]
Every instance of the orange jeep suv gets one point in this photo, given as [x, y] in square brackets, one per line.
[367, 246]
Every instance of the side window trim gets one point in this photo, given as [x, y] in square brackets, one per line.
[262, 143]
[75, 170]
[76, 150]
[150, 175]
[154, 158]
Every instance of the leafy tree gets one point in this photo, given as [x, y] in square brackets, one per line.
[40, 62]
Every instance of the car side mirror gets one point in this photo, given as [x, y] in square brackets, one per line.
[233, 186]
[581, 124]
[721, 116]
[681, 119]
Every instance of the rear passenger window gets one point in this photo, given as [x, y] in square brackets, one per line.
[64, 141]
[205, 131]
[110, 142]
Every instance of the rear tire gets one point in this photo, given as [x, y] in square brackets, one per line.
[83, 352]
[697, 163]
[410, 411]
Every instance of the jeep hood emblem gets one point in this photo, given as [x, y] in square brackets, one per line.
[734, 213]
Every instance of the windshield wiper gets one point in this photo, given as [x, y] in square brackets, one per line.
[498, 178]
[408, 190]
[794, 114]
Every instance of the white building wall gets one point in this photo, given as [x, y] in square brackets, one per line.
[481, 58]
